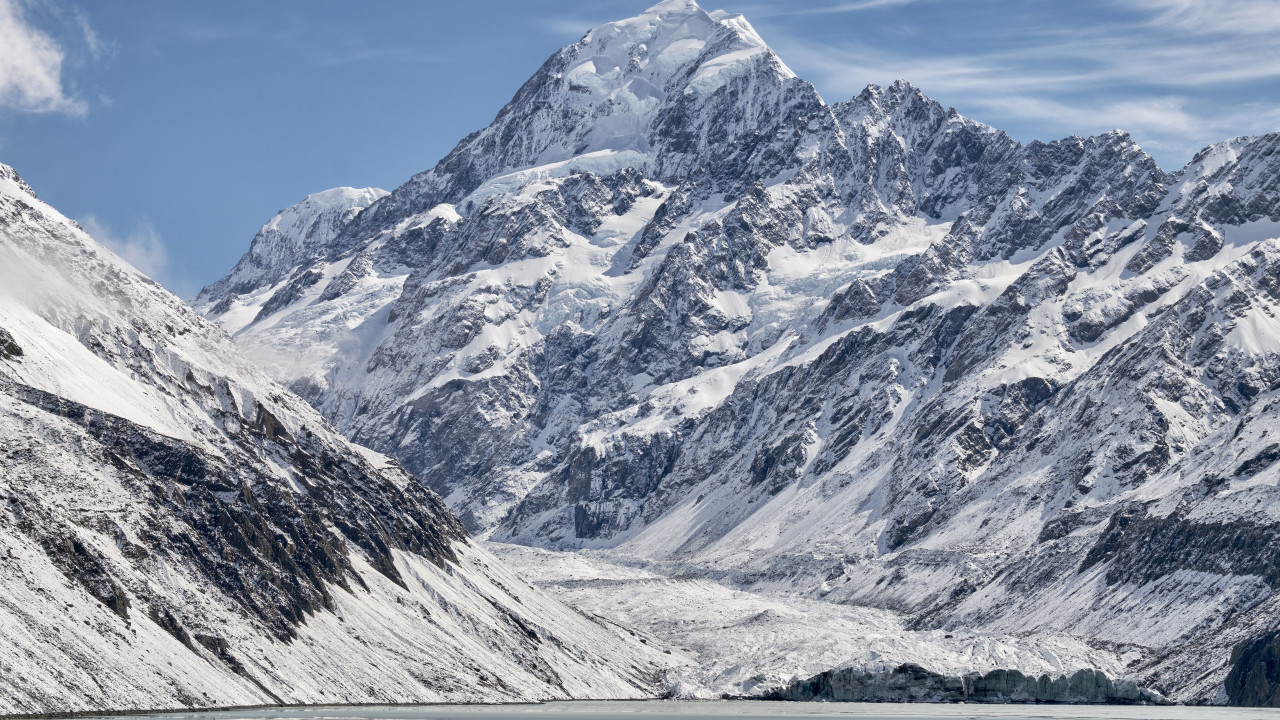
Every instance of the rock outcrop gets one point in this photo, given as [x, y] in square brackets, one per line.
[912, 683]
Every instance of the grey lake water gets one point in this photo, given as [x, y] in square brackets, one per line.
[717, 710]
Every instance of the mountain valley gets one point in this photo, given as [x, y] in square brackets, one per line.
[676, 380]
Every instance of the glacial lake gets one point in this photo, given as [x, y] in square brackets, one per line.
[716, 710]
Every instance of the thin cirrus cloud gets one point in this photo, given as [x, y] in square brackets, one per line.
[576, 24]
[1248, 17]
[94, 45]
[793, 9]
[1177, 74]
[565, 25]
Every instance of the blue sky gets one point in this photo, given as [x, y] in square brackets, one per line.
[172, 130]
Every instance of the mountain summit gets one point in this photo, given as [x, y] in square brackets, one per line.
[675, 91]
[672, 303]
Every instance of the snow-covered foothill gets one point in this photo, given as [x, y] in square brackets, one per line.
[179, 531]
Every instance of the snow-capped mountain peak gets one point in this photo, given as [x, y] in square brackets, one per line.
[299, 232]
[312, 223]
[672, 91]
[667, 39]
[627, 70]
[344, 198]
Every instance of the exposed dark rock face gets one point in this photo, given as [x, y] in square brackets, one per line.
[912, 683]
[9, 350]
[1254, 680]
[85, 567]
[289, 294]
[272, 549]
[1139, 547]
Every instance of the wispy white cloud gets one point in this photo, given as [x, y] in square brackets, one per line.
[1158, 70]
[1147, 115]
[141, 247]
[566, 26]
[851, 7]
[1169, 123]
[1207, 17]
[576, 25]
[97, 47]
[31, 66]
[794, 9]
[1052, 63]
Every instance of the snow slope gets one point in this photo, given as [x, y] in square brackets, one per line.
[180, 531]
[674, 304]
